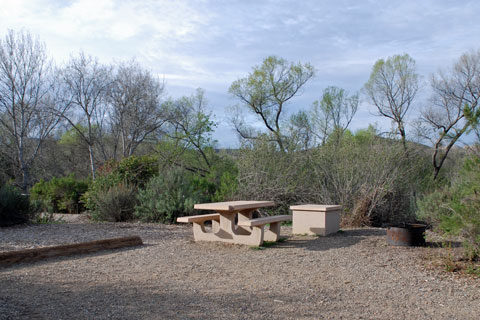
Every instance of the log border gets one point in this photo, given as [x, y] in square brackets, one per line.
[29, 255]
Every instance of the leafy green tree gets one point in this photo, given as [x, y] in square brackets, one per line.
[334, 112]
[71, 136]
[187, 144]
[266, 91]
[189, 133]
[302, 130]
[329, 116]
[62, 155]
[392, 86]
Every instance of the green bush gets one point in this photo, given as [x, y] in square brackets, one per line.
[168, 196]
[228, 186]
[97, 189]
[220, 184]
[133, 171]
[15, 207]
[455, 209]
[115, 204]
[432, 207]
[60, 194]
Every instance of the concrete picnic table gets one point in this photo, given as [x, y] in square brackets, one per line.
[247, 231]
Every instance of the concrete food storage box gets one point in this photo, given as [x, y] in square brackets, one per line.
[316, 219]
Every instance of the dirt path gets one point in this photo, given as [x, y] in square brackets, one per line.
[351, 275]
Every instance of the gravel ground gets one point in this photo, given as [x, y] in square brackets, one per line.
[350, 275]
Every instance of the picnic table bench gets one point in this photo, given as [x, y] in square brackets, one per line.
[246, 231]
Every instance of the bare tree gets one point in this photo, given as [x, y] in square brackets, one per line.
[86, 84]
[454, 107]
[266, 91]
[137, 111]
[392, 87]
[26, 100]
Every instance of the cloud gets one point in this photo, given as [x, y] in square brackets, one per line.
[211, 43]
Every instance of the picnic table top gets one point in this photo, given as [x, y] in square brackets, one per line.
[233, 205]
[316, 207]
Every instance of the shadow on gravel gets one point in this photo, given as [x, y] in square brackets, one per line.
[159, 299]
[443, 244]
[338, 240]
[71, 257]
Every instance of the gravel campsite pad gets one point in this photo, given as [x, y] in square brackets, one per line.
[353, 274]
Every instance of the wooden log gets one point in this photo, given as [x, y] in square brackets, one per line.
[29, 255]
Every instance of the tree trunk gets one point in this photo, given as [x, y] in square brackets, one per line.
[92, 160]
[436, 171]
[23, 166]
[25, 178]
[404, 141]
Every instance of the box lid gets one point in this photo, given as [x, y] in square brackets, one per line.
[316, 207]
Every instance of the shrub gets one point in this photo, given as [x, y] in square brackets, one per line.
[60, 194]
[133, 171]
[365, 173]
[15, 207]
[220, 184]
[97, 189]
[265, 173]
[455, 209]
[116, 203]
[228, 186]
[167, 197]
[370, 176]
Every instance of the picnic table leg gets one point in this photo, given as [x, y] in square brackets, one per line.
[254, 239]
[244, 216]
[273, 232]
[215, 226]
[226, 231]
[200, 234]
[227, 222]
[229, 233]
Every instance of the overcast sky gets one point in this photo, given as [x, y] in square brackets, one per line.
[209, 44]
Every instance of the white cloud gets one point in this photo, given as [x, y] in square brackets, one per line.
[213, 42]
